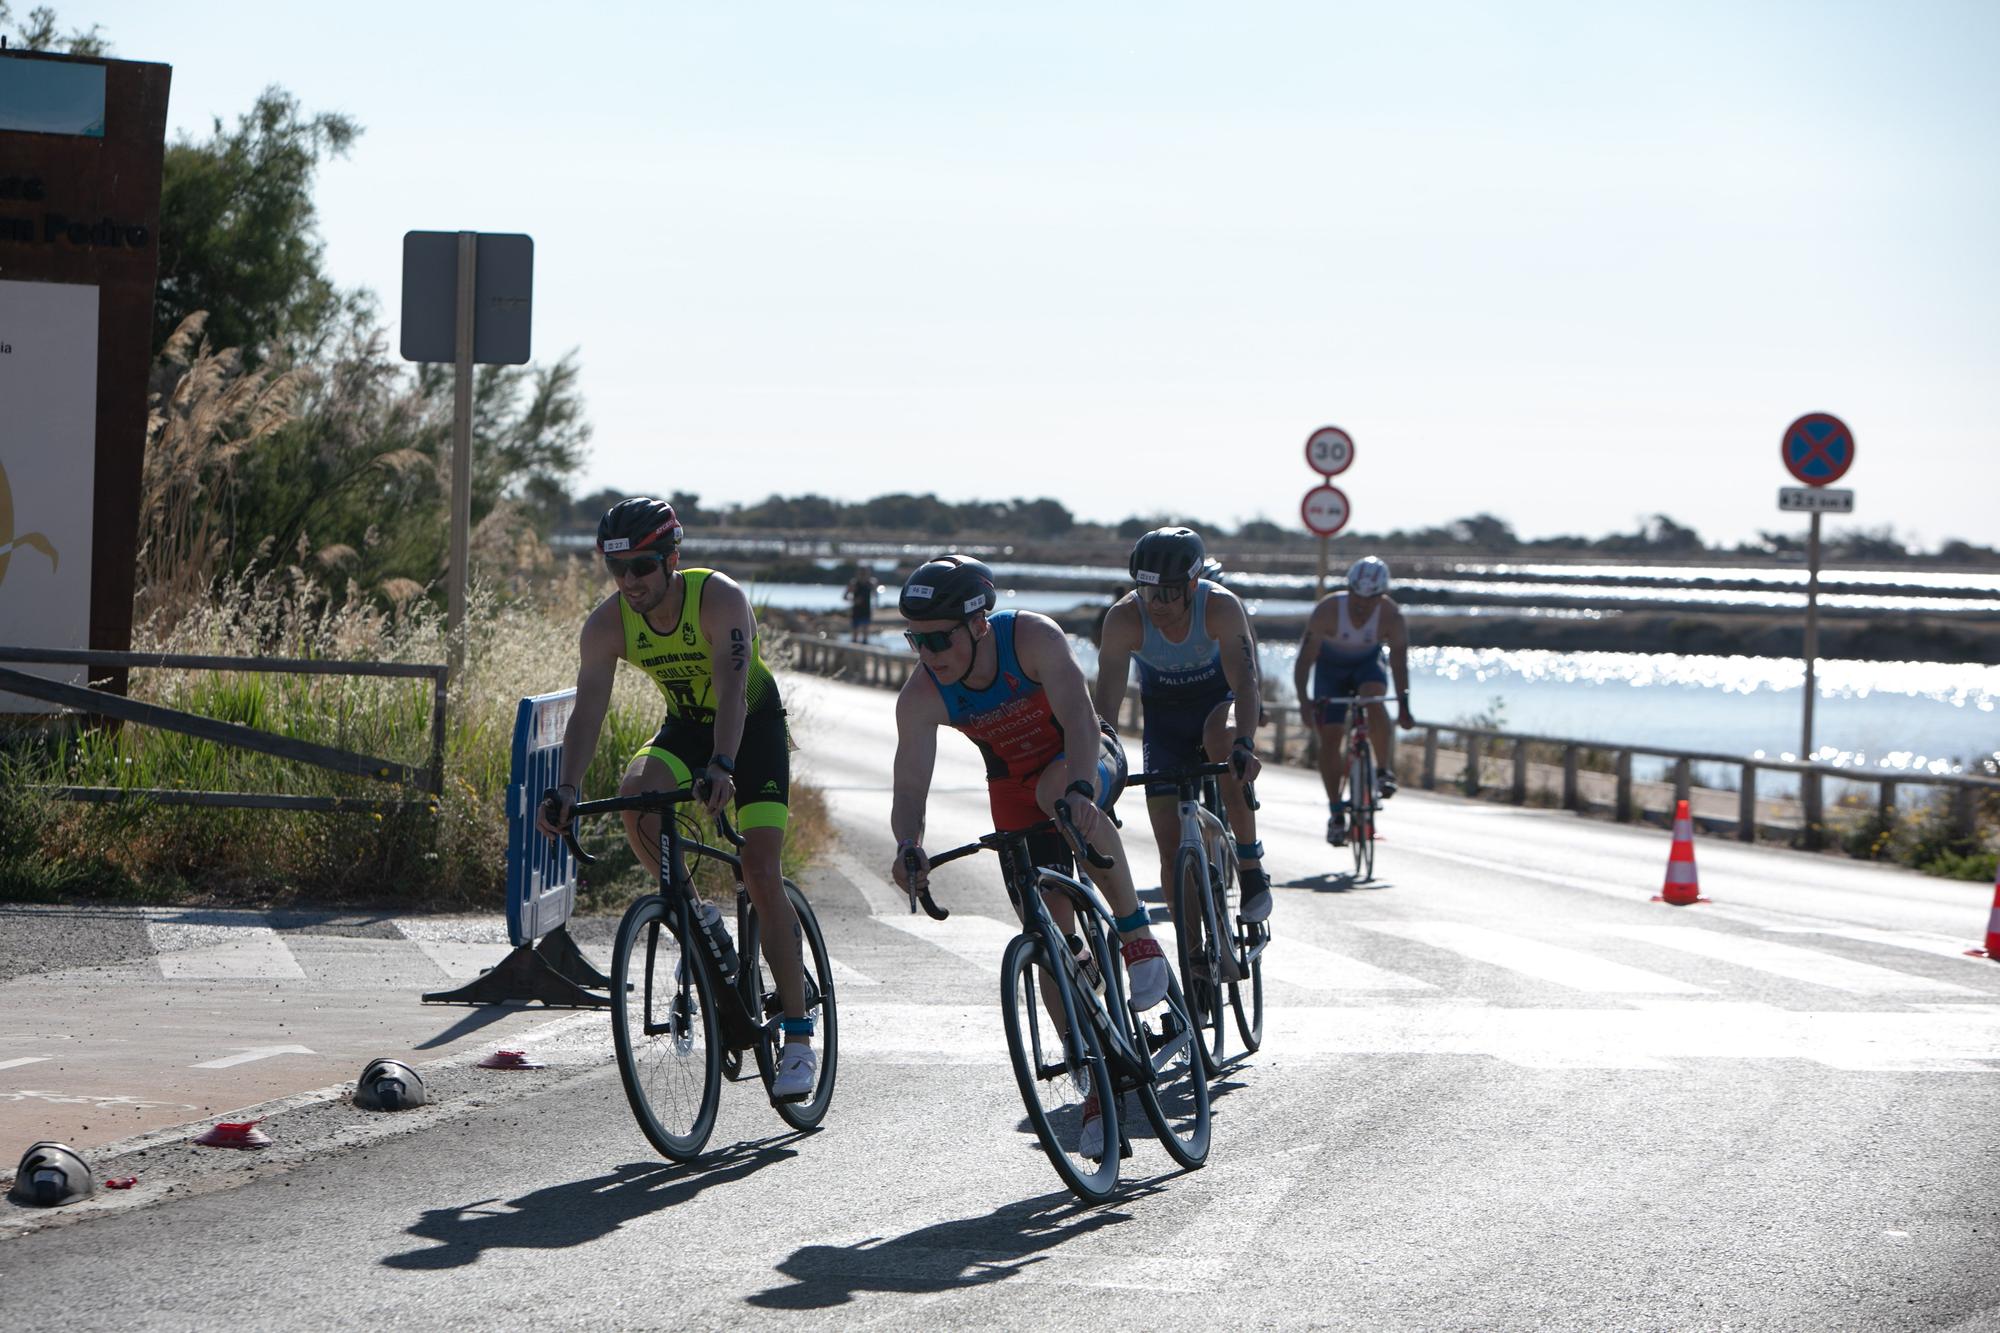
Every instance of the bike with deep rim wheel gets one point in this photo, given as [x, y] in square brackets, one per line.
[1076, 1045]
[1361, 801]
[679, 1021]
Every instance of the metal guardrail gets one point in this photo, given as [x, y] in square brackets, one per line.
[869, 665]
[102, 703]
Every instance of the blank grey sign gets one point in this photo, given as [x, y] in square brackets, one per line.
[505, 285]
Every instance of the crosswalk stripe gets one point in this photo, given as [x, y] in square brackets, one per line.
[1787, 960]
[843, 975]
[1546, 962]
[245, 953]
[1936, 946]
[1310, 967]
[979, 940]
[25, 1060]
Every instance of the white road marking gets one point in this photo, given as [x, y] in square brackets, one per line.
[1309, 966]
[1547, 962]
[24, 1060]
[1651, 1035]
[843, 975]
[979, 940]
[876, 889]
[1935, 945]
[1787, 960]
[246, 953]
[249, 1054]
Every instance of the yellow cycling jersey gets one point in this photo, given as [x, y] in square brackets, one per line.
[679, 660]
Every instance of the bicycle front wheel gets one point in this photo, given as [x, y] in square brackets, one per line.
[663, 1027]
[820, 1007]
[1176, 1101]
[1065, 1083]
[1200, 944]
[1361, 804]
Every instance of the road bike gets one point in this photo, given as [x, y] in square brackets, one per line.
[1075, 1044]
[680, 1020]
[1362, 801]
[1219, 952]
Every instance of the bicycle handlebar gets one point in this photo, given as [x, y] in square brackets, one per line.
[923, 894]
[991, 842]
[1180, 775]
[660, 803]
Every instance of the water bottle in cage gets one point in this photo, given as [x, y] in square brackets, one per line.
[1085, 963]
[720, 947]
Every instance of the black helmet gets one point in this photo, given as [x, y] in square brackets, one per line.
[950, 587]
[638, 524]
[1167, 556]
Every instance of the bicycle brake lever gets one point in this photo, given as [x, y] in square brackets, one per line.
[569, 841]
[917, 895]
[1090, 854]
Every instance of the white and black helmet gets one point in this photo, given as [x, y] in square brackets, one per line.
[1368, 576]
[1167, 556]
[948, 587]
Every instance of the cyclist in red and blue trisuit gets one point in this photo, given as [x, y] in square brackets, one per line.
[1009, 681]
[1342, 648]
[1197, 657]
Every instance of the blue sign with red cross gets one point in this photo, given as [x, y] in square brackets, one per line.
[1818, 448]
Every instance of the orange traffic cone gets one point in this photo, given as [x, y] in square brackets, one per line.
[1992, 949]
[1683, 886]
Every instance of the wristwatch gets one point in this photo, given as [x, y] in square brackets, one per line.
[723, 762]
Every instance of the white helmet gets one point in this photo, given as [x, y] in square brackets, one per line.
[1368, 576]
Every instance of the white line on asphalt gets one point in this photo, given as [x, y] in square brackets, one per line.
[24, 1060]
[843, 975]
[876, 890]
[979, 940]
[248, 1054]
[1935, 945]
[248, 953]
[1548, 962]
[1786, 960]
[1310, 967]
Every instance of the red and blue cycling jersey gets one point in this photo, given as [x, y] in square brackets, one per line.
[1010, 720]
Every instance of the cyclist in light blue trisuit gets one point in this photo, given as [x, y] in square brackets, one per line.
[1197, 665]
[1342, 650]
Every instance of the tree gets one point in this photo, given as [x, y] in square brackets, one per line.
[238, 232]
[39, 34]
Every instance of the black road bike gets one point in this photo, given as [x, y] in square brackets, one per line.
[1075, 1043]
[680, 1020]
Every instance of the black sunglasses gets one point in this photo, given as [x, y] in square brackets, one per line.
[1163, 592]
[642, 565]
[931, 640]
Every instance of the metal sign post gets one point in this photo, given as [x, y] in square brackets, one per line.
[1818, 449]
[467, 299]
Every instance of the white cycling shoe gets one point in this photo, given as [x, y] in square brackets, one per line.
[1090, 1139]
[1146, 970]
[798, 1071]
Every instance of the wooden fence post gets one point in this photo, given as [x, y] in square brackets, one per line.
[1430, 758]
[1746, 806]
[1683, 779]
[1520, 792]
[1621, 806]
[1571, 797]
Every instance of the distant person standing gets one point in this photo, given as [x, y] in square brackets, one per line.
[861, 592]
[1342, 650]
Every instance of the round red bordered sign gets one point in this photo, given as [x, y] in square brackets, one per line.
[1818, 449]
[1325, 510]
[1329, 451]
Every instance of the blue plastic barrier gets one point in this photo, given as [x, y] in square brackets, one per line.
[541, 874]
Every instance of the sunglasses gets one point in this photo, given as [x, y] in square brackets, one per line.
[931, 640]
[1163, 592]
[642, 565]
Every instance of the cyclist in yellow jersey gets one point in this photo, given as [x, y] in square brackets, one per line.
[692, 632]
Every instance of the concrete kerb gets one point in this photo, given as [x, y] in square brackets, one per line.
[307, 1125]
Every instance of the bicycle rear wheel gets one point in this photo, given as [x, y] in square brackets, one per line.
[663, 1027]
[1246, 997]
[820, 1007]
[1059, 1078]
[1361, 805]
[1176, 1101]
[1200, 945]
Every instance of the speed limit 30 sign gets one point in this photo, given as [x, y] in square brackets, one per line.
[1329, 451]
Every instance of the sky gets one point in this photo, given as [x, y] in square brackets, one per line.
[1569, 264]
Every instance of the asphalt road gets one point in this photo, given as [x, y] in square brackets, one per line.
[1500, 1088]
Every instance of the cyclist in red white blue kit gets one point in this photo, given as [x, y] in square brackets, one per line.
[1197, 666]
[1008, 680]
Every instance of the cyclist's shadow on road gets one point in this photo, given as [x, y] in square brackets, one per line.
[947, 1256]
[1345, 883]
[580, 1211]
